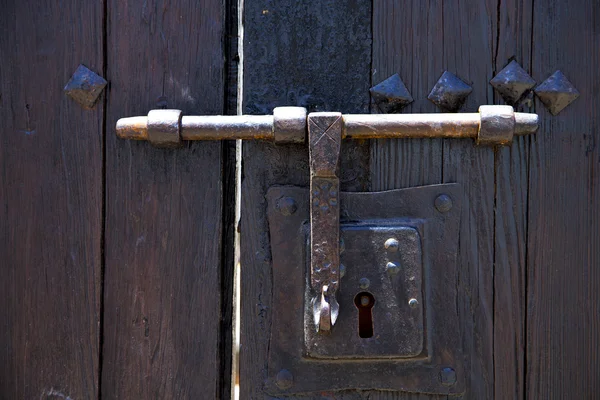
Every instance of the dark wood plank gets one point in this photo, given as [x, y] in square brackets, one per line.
[467, 51]
[433, 38]
[415, 57]
[163, 207]
[511, 41]
[309, 54]
[563, 328]
[50, 202]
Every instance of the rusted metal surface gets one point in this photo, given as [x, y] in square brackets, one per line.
[85, 87]
[288, 125]
[391, 95]
[449, 92]
[393, 279]
[513, 82]
[556, 92]
[497, 125]
[381, 216]
[164, 128]
[324, 141]
[210, 127]
[227, 127]
[464, 125]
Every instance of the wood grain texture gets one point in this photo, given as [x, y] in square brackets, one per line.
[511, 41]
[163, 207]
[467, 51]
[420, 42]
[50, 202]
[407, 37]
[563, 328]
[303, 53]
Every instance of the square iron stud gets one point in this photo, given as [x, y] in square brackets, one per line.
[391, 95]
[85, 87]
[449, 92]
[556, 92]
[513, 82]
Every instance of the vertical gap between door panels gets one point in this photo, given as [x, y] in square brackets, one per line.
[235, 34]
[531, 139]
[494, 62]
[103, 194]
[230, 207]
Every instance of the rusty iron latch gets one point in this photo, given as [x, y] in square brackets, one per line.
[324, 131]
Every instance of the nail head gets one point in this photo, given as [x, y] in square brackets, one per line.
[284, 379]
[443, 203]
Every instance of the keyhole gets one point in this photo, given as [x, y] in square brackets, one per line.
[364, 301]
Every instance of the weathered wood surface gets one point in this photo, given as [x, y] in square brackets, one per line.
[563, 257]
[406, 162]
[163, 207]
[50, 202]
[301, 53]
[512, 40]
[429, 40]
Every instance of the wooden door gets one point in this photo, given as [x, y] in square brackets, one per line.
[529, 239]
[112, 252]
[118, 257]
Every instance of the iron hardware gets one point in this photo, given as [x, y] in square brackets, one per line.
[397, 326]
[493, 125]
[288, 125]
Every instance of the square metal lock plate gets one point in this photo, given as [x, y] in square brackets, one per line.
[381, 301]
[415, 341]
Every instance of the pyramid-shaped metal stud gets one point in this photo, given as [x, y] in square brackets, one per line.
[512, 83]
[450, 92]
[85, 87]
[556, 92]
[391, 95]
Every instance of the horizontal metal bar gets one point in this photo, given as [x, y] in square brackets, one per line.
[388, 126]
[212, 127]
[288, 125]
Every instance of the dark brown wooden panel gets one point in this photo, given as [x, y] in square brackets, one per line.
[420, 42]
[406, 40]
[163, 207]
[563, 324]
[50, 202]
[407, 37]
[311, 54]
[512, 42]
[467, 50]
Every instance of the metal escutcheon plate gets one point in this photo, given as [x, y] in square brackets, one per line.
[415, 338]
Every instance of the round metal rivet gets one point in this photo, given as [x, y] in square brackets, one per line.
[447, 376]
[392, 268]
[443, 203]
[284, 379]
[391, 244]
[287, 206]
[364, 283]
[413, 303]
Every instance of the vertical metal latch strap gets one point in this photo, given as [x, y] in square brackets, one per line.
[324, 139]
